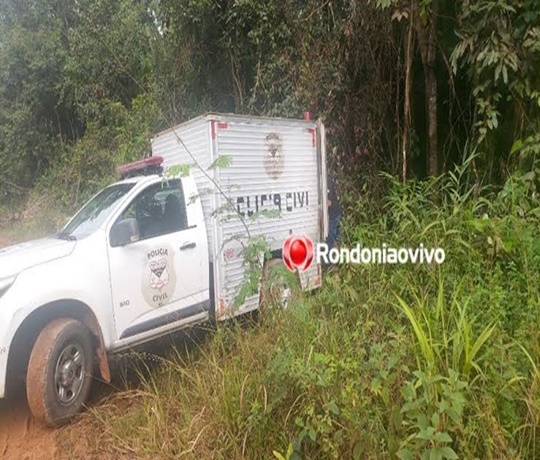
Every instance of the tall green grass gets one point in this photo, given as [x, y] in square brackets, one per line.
[437, 362]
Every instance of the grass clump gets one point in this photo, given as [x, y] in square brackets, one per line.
[394, 361]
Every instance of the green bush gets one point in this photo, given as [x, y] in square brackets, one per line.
[88, 165]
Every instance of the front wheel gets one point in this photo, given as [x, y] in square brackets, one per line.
[60, 371]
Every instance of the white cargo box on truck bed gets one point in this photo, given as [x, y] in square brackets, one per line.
[271, 170]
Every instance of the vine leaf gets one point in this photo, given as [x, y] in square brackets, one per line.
[222, 161]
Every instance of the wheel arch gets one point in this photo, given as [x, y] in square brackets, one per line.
[28, 331]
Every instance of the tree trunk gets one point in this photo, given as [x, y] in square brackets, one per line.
[427, 40]
[237, 80]
[431, 93]
[406, 105]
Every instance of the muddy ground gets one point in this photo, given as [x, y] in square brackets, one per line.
[23, 438]
[20, 438]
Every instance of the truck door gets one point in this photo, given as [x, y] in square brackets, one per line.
[162, 278]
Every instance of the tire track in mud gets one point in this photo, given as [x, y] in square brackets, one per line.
[20, 437]
[24, 438]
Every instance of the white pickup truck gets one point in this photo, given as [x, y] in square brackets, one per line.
[159, 251]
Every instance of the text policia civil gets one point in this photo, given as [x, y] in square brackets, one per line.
[250, 205]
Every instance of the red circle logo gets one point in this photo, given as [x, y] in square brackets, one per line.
[298, 252]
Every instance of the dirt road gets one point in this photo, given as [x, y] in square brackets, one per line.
[20, 437]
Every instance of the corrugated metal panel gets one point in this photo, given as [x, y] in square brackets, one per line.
[256, 176]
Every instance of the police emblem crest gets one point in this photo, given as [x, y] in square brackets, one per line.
[159, 278]
[273, 159]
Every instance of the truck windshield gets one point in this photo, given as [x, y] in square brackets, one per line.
[89, 218]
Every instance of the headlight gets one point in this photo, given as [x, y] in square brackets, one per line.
[5, 284]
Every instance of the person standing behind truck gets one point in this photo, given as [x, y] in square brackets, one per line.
[334, 214]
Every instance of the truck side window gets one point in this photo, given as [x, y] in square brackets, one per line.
[160, 209]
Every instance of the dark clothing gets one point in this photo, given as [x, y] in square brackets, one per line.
[333, 231]
[334, 214]
[335, 207]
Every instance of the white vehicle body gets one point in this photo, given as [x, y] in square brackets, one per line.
[131, 293]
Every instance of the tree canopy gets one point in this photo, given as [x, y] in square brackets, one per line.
[410, 87]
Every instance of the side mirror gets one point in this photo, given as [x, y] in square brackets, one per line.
[124, 232]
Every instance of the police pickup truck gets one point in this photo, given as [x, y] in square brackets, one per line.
[159, 251]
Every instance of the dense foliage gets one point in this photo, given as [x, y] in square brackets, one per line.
[406, 86]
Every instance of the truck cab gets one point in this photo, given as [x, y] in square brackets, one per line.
[130, 266]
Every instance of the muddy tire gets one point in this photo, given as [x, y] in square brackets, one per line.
[60, 371]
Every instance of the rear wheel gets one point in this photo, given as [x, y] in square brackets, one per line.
[60, 371]
[279, 285]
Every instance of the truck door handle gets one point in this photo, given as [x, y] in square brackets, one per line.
[190, 245]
